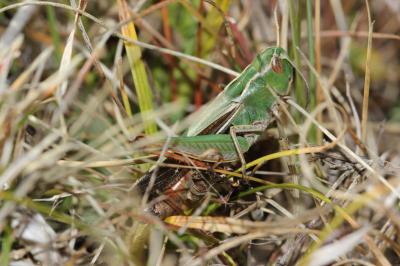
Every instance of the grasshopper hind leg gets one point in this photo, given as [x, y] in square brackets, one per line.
[233, 132]
[251, 133]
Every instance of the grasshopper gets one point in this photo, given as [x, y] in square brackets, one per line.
[232, 122]
[244, 107]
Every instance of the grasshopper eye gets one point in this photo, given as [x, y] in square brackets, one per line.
[276, 64]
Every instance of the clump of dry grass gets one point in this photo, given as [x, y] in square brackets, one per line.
[322, 185]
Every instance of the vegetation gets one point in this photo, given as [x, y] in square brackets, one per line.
[91, 93]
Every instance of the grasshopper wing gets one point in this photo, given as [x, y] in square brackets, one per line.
[221, 111]
[213, 116]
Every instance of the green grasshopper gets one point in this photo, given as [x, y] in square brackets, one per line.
[244, 107]
[232, 122]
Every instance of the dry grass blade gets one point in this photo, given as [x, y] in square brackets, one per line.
[357, 203]
[367, 80]
[127, 39]
[332, 252]
[23, 78]
[348, 151]
[365, 34]
[209, 224]
[76, 124]
[234, 226]
[18, 23]
[319, 91]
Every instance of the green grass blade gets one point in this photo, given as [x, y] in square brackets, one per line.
[143, 90]
[54, 32]
[311, 54]
[295, 24]
[214, 20]
[6, 245]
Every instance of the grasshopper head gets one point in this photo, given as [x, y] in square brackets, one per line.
[276, 69]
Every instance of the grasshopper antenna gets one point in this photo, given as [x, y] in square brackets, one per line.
[278, 44]
[278, 37]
